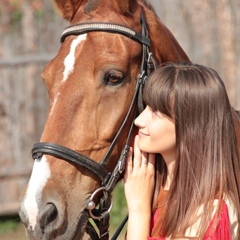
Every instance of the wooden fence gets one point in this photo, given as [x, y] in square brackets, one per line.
[23, 109]
[29, 38]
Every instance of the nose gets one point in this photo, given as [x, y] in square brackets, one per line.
[47, 215]
[48, 219]
[140, 120]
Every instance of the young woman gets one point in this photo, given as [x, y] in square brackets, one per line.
[182, 179]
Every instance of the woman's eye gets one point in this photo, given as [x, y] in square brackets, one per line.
[113, 78]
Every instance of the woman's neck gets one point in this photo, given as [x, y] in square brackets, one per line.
[170, 166]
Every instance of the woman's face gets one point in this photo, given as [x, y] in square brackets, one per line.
[156, 133]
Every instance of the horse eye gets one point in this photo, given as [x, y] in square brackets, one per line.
[113, 78]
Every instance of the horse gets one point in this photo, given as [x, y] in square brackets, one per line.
[94, 85]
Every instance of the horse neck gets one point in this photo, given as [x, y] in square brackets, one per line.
[164, 45]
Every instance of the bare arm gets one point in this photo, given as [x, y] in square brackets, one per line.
[139, 186]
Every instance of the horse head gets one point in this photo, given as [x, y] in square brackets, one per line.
[92, 85]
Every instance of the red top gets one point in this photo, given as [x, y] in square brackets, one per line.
[219, 229]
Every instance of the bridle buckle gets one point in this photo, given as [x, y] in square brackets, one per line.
[91, 204]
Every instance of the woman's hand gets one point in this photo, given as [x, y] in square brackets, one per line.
[139, 187]
[139, 179]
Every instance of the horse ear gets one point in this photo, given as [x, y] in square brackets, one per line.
[68, 8]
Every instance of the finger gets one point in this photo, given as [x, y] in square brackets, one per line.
[137, 160]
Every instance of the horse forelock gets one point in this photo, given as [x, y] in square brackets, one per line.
[122, 5]
[91, 5]
[69, 8]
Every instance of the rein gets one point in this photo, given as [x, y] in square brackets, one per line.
[107, 179]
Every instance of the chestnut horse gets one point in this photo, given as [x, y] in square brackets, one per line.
[93, 83]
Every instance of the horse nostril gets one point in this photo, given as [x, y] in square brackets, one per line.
[47, 215]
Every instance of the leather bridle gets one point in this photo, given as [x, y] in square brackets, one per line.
[107, 179]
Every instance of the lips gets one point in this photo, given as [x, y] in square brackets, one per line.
[141, 134]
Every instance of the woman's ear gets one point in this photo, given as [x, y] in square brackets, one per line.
[68, 8]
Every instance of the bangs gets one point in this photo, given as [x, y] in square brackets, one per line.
[158, 93]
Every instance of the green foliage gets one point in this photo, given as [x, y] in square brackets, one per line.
[119, 211]
[8, 225]
[16, 17]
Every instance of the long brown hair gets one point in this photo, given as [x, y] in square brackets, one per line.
[207, 163]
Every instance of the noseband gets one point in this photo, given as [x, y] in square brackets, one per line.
[107, 179]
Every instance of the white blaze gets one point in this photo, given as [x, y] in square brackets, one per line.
[40, 175]
[69, 61]
[41, 169]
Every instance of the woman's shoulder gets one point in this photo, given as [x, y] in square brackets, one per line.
[220, 225]
[233, 219]
[224, 225]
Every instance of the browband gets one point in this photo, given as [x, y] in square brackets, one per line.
[81, 28]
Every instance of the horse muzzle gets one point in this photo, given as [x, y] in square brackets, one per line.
[52, 223]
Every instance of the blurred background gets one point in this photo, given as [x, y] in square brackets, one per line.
[208, 30]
